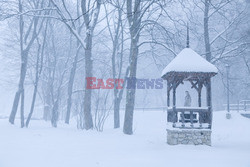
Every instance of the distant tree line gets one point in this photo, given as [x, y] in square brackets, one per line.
[58, 43]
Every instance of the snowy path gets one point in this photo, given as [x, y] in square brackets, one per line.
[43, 146]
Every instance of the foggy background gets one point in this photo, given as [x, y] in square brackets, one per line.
[163, 35]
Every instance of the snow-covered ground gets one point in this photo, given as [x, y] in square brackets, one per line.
[44, 146]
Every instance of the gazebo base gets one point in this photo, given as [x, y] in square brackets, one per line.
[189, 136]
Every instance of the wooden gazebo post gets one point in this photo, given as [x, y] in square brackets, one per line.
[200, 85]
[174, 102]
[168, 93]
[209, 101]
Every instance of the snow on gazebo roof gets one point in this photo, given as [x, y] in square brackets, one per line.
[189, 61]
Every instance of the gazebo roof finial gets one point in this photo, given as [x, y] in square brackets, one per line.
[188, 36]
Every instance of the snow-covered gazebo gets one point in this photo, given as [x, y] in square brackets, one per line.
[190, 125]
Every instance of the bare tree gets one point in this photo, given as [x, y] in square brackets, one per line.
[117, 37]
[101, 111]
[90, 20]
[74, 67]
[90, 12]
[27, 39]
[38, 71]
[135, 11]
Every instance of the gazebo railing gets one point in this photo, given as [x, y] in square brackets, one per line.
[190, 117]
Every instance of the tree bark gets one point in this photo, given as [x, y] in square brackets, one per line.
[90, 23]
[88, 73]
[24, 61]
[209, 115]
[206, 31]
[130, 96]
[117, 102]
[32, 104]
[22, 109]
[20, 90]
[134, 19]
[70, 86]
[22, 71]
[54, 117]
[38, 73]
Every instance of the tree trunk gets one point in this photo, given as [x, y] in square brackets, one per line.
[117, 112]
[20, 88]
[206, 31]
[208, 58]
[117, 74]
[88, 73]
[134, 18]
[130, 96]
[22, 71]
[22, 109]
[54, 117]
[90, 23]
[32, 104]
[24, 61]
[70, 86]
[14, 107]
[38, 73]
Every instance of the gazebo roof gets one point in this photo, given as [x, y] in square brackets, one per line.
[188, 61]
